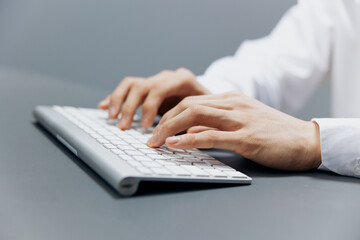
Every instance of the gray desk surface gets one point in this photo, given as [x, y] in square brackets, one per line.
[48, 193]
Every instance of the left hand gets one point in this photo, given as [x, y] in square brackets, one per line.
[236, 122]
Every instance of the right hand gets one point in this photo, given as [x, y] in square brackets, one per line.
[159, 92]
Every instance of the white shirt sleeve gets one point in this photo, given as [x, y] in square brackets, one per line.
[284, 68]
[340, 145]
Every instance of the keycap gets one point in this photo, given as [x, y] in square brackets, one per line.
[135, 164]
[214, 162]
[224, 168]
[165, 163]
[142, 158]
[235, 174]
[216, 173]
[144, 170]
[134, 153]
[196, 171]
[126, 157]
[147, 151]
[156, 156]
[102, 140]
[151, 164]
[202, 165]
[161, 171]
[125, 147]
[178, 170]
[117, 151]
[109, 145]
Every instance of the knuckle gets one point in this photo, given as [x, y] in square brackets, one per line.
[184, 71]
[184, 103]
[191, 139]
[234, 94]
[127, 79]
[165, 128]
[212, 137]
[165, 72]
[196, 110]
[187, 101]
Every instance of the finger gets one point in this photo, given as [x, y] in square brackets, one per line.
[206, 139]
[183, 105]
[214, 101]
[198, 129]
[193, 116]
[150, 107]
[104, 104]
[118, 96]
[132, 102]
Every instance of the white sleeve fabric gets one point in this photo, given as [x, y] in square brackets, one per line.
[284, 68]
[340, 145]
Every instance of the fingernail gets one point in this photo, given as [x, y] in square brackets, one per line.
[173, 140]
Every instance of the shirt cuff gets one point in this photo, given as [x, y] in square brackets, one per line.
[340, 145]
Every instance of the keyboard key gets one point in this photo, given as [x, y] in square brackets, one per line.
[216, 173]
[182, 162]
[202, 165]
[134, 163]
[161, 171]
[156, 156]
[126, 157]
[224, 168]
[117, 151]
[214, 162]
[144, 170]
[109, 145]
[134, 153]
[235, 174]
[194, 160]
[118, 141]
[171, 156]
[125, 147]
[95, 135]
[142, 158]
[131, 140]
[102, 140]
[196, 171]
[165, 163]
[178, 170]
[148, 151]
[151, 164]
[139, 146]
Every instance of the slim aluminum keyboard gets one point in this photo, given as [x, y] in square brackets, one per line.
[163, 163]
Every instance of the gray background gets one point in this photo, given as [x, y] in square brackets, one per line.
[99, 42]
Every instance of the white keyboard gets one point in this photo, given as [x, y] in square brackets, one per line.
[130, 146]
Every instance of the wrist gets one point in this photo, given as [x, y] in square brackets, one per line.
[314, 146]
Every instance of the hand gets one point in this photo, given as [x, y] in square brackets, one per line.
[159, 92]
[244, 125]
